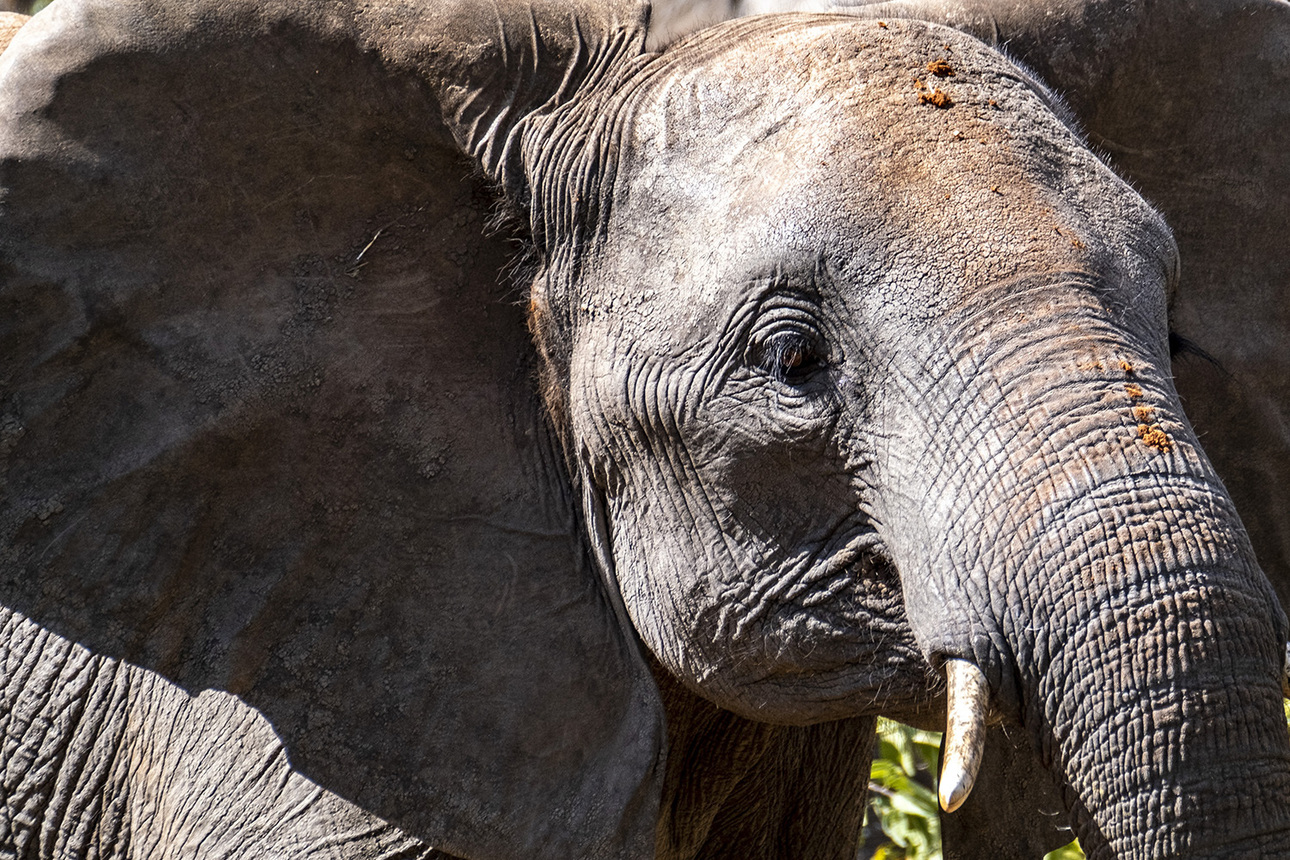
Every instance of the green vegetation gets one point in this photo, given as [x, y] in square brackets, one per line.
[26, 7]
[902, 796]
[1067, 852]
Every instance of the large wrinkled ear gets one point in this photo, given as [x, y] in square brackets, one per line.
[269, 421]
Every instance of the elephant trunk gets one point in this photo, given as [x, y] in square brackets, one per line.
[1078, 548]
[1150, 680]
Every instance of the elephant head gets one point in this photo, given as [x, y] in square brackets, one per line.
[837, 362]
[1184, 101]
[920, 351]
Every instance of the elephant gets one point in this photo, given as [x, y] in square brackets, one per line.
[1184, 100]
[458, 429]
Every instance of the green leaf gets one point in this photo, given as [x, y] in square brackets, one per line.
[901, 797]
[1067, 852]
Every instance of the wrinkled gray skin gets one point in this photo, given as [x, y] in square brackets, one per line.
[1186, 101]
[819, 385]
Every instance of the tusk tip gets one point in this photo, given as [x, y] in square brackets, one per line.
[967, 707]
[954, 788]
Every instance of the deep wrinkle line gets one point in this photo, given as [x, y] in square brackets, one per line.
[1096, 488]
[1002, 400]
[1105, 599]
[999, 643]
[986, 430]
[614, 97]
[1036, 284]
[672, 459]
[1120, 601]
[840, 541]
[1207, 489]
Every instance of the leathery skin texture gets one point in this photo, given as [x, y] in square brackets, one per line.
[833, 354]
[985, 407]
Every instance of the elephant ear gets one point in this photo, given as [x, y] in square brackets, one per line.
[270, 423]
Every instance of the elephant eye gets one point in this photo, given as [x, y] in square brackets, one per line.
[791, 357]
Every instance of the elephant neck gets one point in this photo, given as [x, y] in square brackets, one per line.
[735, 788]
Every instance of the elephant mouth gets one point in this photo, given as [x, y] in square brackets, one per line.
[846, 639]
[895, 680]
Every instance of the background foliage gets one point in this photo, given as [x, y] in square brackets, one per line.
[902, 822]
[26, 7]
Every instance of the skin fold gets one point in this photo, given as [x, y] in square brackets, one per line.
[458, 430]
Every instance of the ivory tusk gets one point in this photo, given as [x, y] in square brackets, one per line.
[969, 696]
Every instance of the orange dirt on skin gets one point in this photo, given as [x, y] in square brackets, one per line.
[1143, 414]
[1154, 436]
[1133, 391]
[937, 98]
[941, 68]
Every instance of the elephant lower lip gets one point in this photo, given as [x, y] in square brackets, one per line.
[836, 645]
[868, 662]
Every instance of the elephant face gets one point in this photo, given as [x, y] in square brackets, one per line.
[768, 345]
[858, 367]
[867, 370]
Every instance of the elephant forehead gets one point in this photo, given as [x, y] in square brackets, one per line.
[906, 145]
[797, 99]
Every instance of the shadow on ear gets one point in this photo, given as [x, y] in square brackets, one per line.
[269, 421]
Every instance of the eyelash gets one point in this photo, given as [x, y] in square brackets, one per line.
[791, 357]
